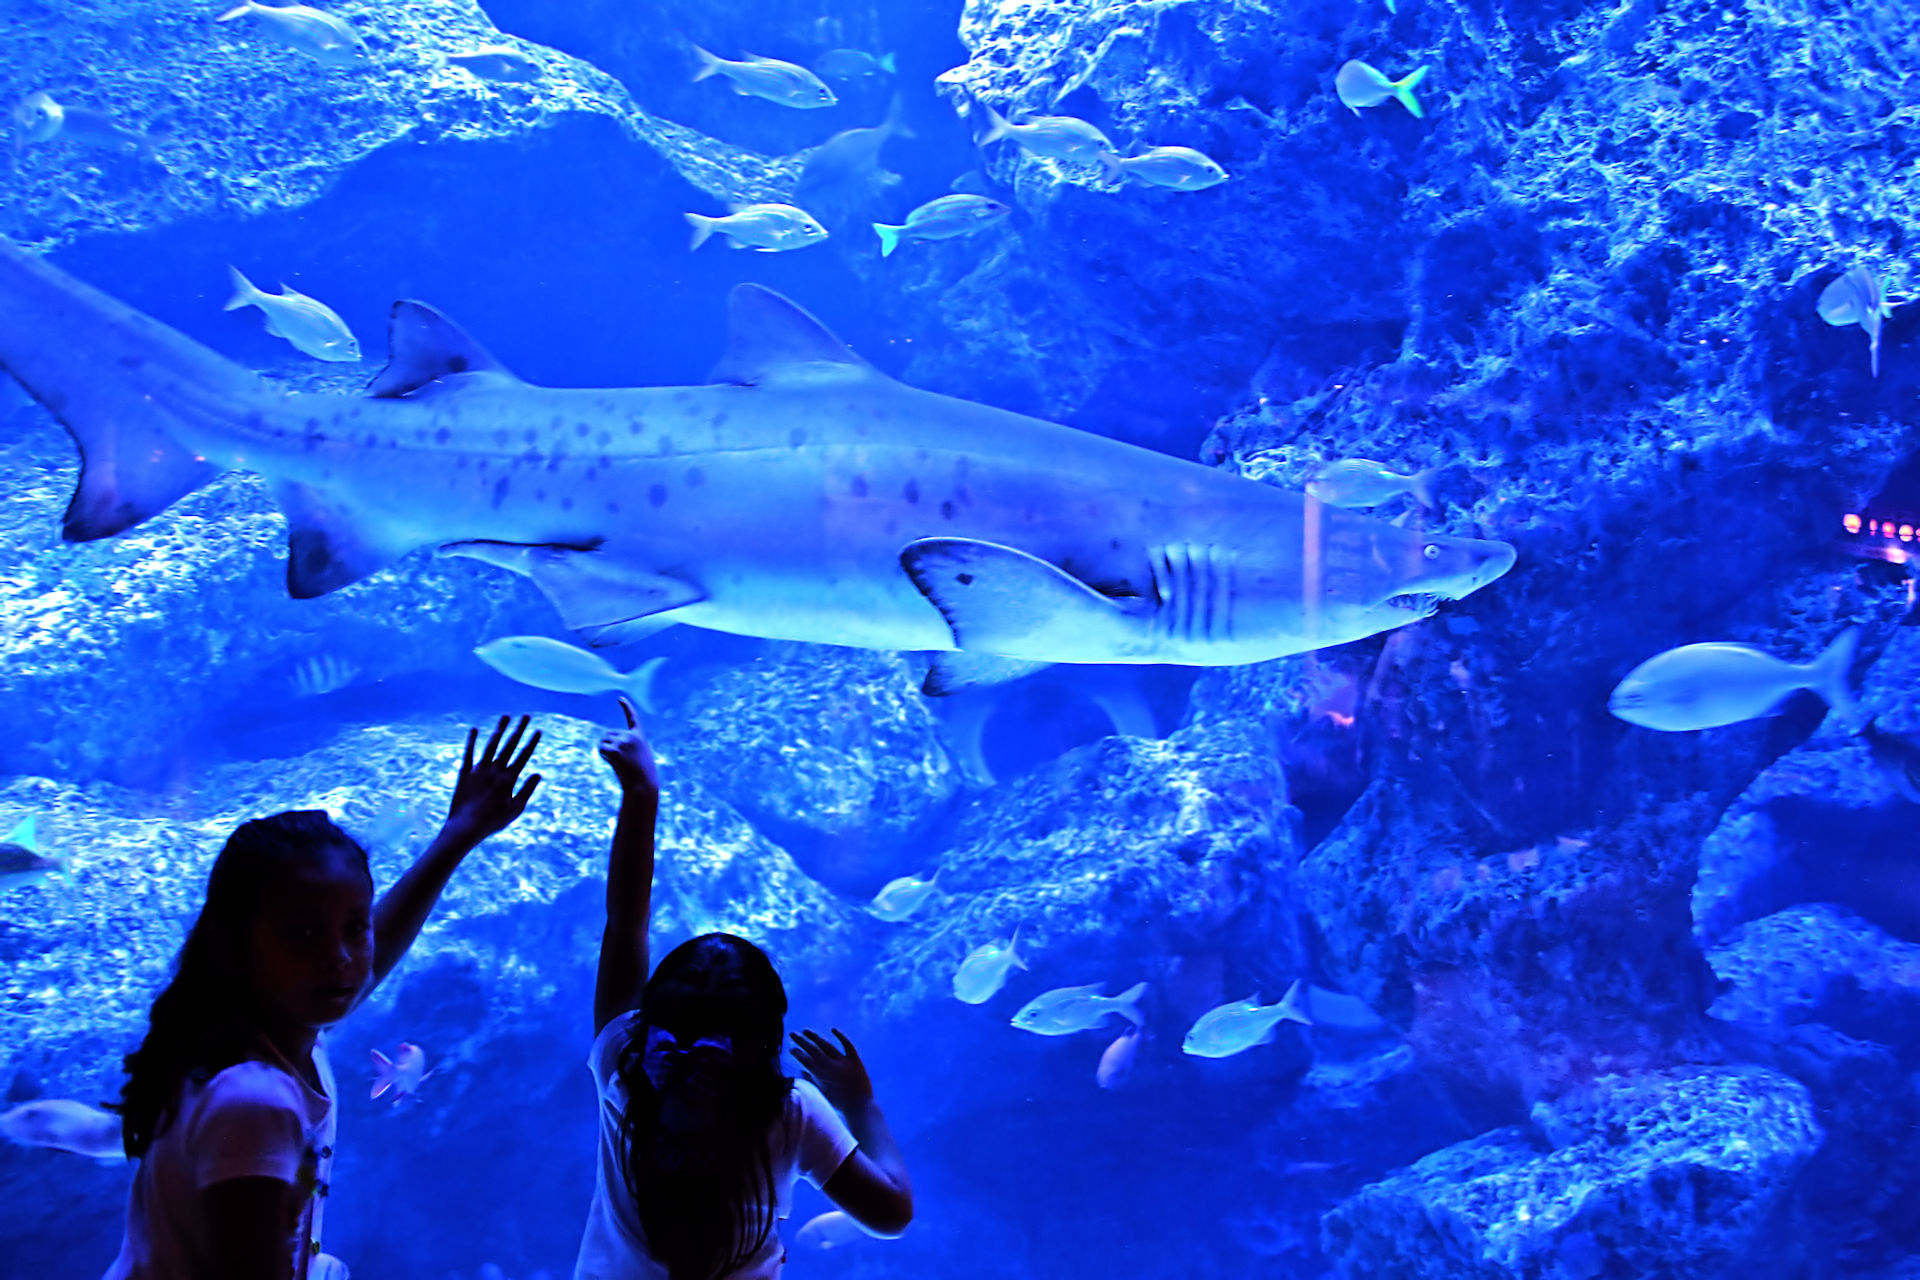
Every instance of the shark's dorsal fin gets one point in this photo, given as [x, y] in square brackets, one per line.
[772, 339]
[422, 346]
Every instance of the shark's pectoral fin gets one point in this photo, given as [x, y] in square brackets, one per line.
[998, 600]
[327, 547]
[771, 339]
[955, 670]
[593, 591]
[632, 631]
[423, 345]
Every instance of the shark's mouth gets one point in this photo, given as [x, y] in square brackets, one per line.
[1419, 603]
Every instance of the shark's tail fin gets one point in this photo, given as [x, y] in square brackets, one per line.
[122, 384]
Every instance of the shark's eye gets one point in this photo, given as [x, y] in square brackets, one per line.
[1431, 551]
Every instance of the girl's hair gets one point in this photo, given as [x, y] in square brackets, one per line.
[706, 1198]
[202, 1022]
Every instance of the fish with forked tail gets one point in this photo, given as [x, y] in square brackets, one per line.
[957, 529]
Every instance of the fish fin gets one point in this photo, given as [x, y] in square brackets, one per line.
[116, 380]
[589, 588]
[1421, 487]
[1839, 301]
[640, 683]
[1110, 161]
[1403, 90]
[888, 65]
[632, 631]
[383, 1073]
[772, 339]
[23, 834]
[1294, 1006]
[422, 346]
[1873, 351]
[326, 548]
[702, 228]
[889, 238]
[954, 670]
[244, 292]
[1128, 1004]
[238, 11]
[997, 126]
[709, 65]
[1828, 677]
[1128, 711]
[1000, 600]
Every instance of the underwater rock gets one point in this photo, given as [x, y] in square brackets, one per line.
[1817, 962]
[832, 752]
[241, 124]
[1685, 1173]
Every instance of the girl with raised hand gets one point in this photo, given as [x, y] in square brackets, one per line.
[229, 1101]
[701, 1135]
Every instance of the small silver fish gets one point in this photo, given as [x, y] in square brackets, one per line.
[65, 1125]
[320, 36]
[21, 862]
[1240, 1025]
[786, 83]
[1359, 85]
[497, 62]
[1362, 482]
[1116, 1063]
[309, 324]
[401, 1074]
[1706, 686]
[901, 897]
[770, 228]
[984, 971]
[1053, 137]
[42, 119]
[1181, 168]
[941, 219]
[853, 64]
[1065, 1010]
[1340, 1011]
[1856, 298]
[559, 667]
[847, 165]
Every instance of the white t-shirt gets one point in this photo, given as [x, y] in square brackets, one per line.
[808, 1138]
[250, 1121]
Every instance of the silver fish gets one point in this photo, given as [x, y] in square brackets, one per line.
[1052, 137]
[42, 119]
[1362, 482]
[497, 62]
[1359, 85]
[1065, 1010]
[984, 971]
[853, 64]
[309, 324]
[554, 665]
[1856, 298]
[941, 219]
[770, 228]
[901, 897]
[1706, 686]
[1241, 1024]
[317, 34]
[786, 83]
[65, 1125]
[1181, 168]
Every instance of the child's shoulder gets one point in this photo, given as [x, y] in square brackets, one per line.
[252, 1084]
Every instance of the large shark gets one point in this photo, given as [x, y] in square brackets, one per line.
[800, 495]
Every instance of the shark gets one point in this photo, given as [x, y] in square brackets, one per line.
[800, 494]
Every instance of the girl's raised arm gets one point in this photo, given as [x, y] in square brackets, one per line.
[623, 946]
[485, 802]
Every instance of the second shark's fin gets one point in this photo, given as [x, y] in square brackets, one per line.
[326, 547]
[951, 671]
[592, 591]
[998, 600]
[424, 346]
[771, 339]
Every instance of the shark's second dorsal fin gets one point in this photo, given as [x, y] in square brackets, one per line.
[771, 339]
[423, 345]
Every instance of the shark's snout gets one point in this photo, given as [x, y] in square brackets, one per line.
[1458, 567]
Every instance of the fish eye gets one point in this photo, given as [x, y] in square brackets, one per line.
[1431, 551]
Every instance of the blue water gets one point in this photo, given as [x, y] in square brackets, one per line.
[1613, 1000]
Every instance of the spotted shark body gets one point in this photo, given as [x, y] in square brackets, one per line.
[800, 495]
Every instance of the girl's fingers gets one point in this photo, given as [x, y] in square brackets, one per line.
[466, 765]
[513, 739]
[526, 792]
[526, 753]
[627, 707]
[845, 1043]
[494, 741]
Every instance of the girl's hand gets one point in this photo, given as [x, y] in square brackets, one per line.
[837, 1071]
[484, 799]
[630, 758]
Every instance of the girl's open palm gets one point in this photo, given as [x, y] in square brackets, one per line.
[484, 798]
[835, 1069]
